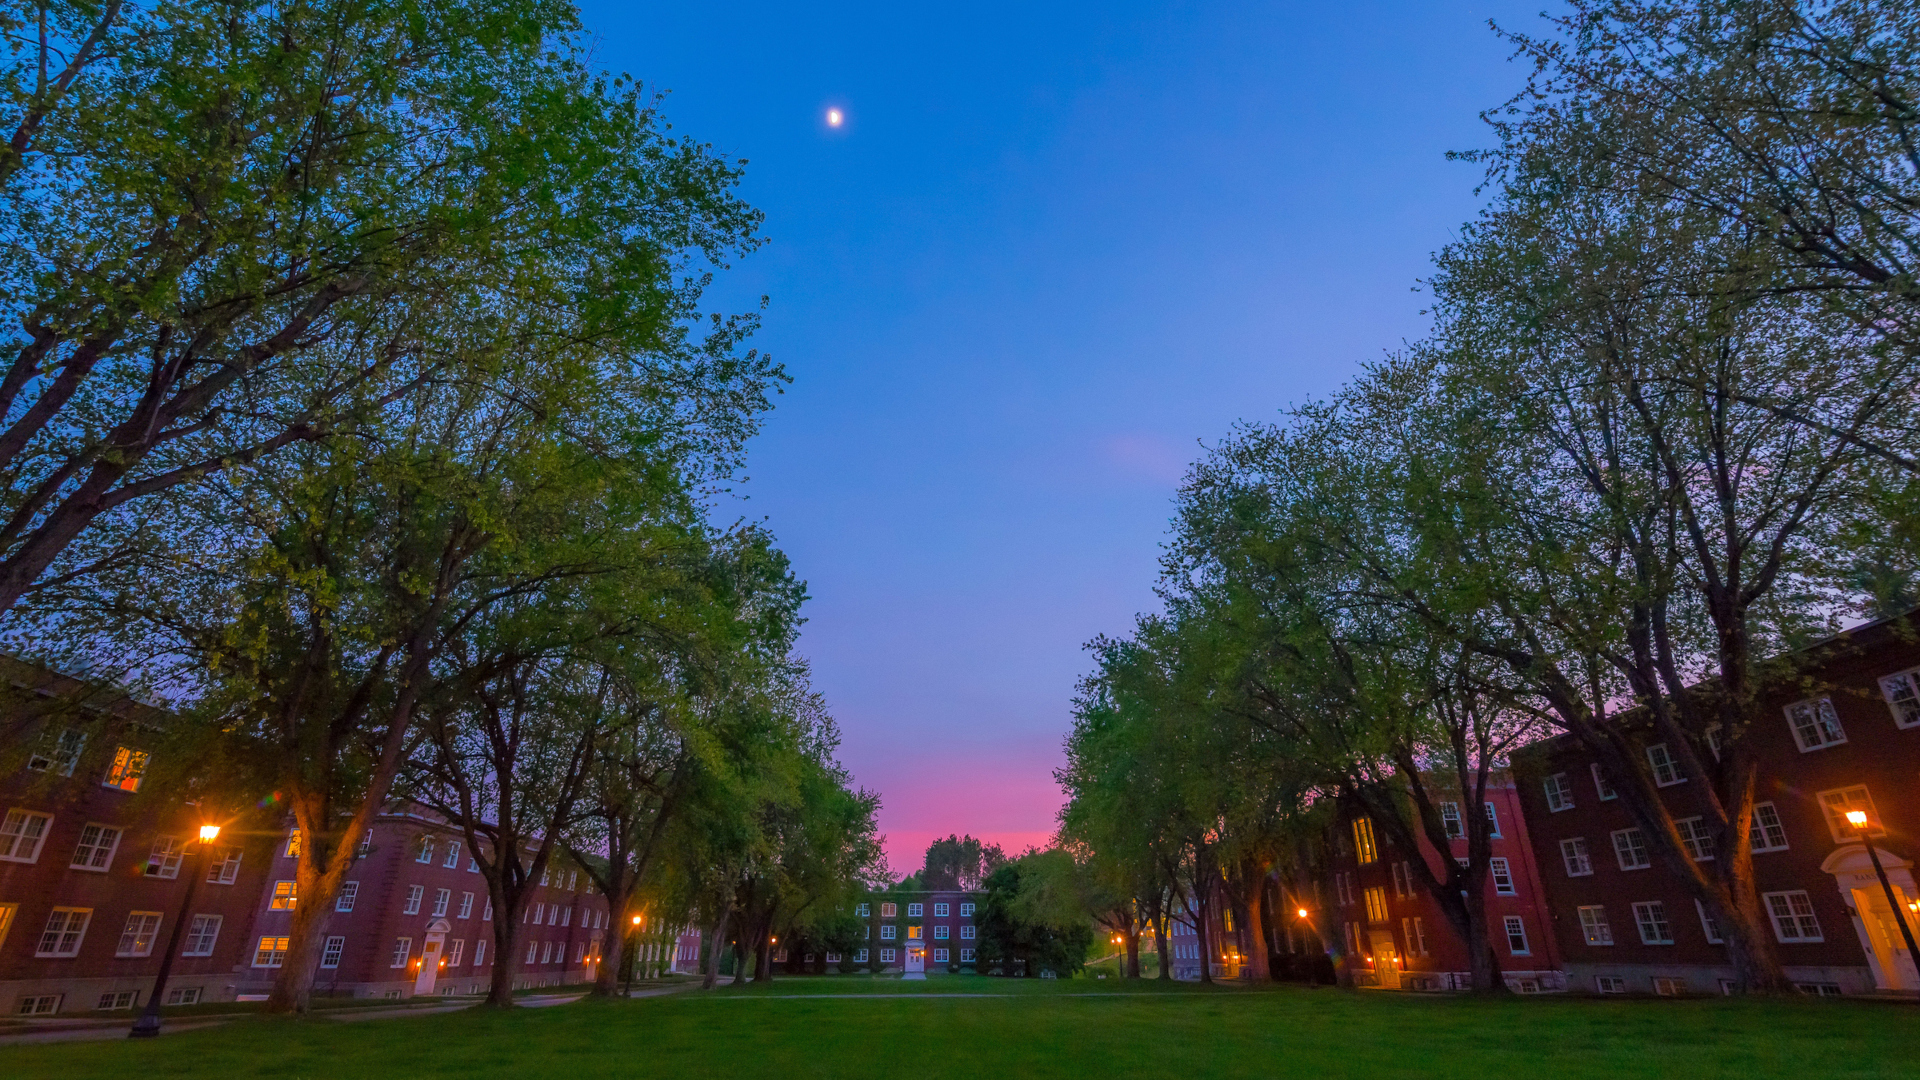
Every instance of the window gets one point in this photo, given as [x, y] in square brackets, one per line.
[966, 956]
[116, 999]
[1602, 786]
[441, 898]
[966, 933]
[1573, 852]
[136, 939]
[40, 1005]
[1376, 905]
[1450, 817]
[184, 995]
[128, 767]
[66, 754]
[201, 934]
[1837, 802]
[473, 865]
[487, 916]
[349, 890]
[415, 893]
[1593, 925]
[1415, 931]
[466, 905]
[1609, 984]
[939, 956]
[164, 860]
[330, 952]
[1709, 924]
[1665, 772]
[1630, 847]
[860, 956]
[1517, 936]
[573, 878]
[402, 948]
[566, 917]
[553, 915]
[293, 844]
[1559, 792]
[225, 867]
[545, 878]
[886, 956]
[1399, 887]
[425, 854]
[1793, 918]
[458, 952]
[916, 910]
[966, 909]
[863, 910]
[479, 952]
[939, 911]
[1903, 697]
[95, 850]
[1651, 916]
[1765, 832]
[22, 834]
[283, 897]
[1815, 724]
[539, 914]
[1493, 821]
[453, 854]
[888, 931]
[940, 933]
[1502, 876]
[1697, 838]
[1668, 986]
[1363, 846]
[889, 910]
[270, 953]
[7, 912]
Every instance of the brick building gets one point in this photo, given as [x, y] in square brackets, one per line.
[1844, 735]
[913, 930]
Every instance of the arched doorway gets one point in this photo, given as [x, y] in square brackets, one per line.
[430, 957]
[1873, 920]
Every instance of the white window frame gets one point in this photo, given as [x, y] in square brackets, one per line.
[1594, 928]
[966, 933]
[19, 829]
[1559, 789]
[466, 906]
[1834, 804]
[1786, 914]
[1493, 822]
[966, 909]
[863, 910]
[1499, 867]
[1709, 925]
[1902, 693]
[425, 854]
[1696, 837]
[939, 911]
[889, 932]
[226, 869]
[1666, 771]
[453, 855]
[332, 950]
[416, 895]
[479, 952]
[164, 860]
[1450, 821]
[1764, 827]
[89, 843]
[1609, 984]
[442, 898]
[283, 899]
[270, 955]
[137, 936]
[1603, 788]
[1620, 850]
[916, 911]
[1822, 724]
[940, 933]
[1652, 915]
[457, 952]
[349, 892]
[402, 953]
[128, 771]
[203, 933]
[1516, 928]
[1575, 856]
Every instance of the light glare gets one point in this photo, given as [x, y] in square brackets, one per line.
[835, 117]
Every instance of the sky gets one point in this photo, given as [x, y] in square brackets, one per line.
[1051, 253]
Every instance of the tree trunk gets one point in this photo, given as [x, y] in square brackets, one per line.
[506, 943]
[1160, 943]
[613, 946]
[1204, 906]
[716, 942]
[1260, 967]
[1133, 952]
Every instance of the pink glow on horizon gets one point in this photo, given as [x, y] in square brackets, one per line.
[996, 801]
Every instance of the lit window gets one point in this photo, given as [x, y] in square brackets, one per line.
[201, 934]
[1493, 821]
[349, 891]
[293, 845]
[1363, 846]
[225, 867]
[425, 854]
[21, 835]
[96, 847]
[1559, 792]
[330, 953]
[1766, 832]
[441, 898]
[164, 860]
[1697, 838]
[1573, 851]
[1709, 924]
[270, 953]
[1793, 918]
[1666, 772]
[1502, 876]
[136, 939]
[1517, 936]
[1377, 905]
[1602, 786]
[129, 766]
[1593, 925]
[1838, 802]
[466, 905]
[1450, 817]
[283, 897]
[7, 912]
[1815, 724]
[939, 911]
[913, 933]
[1630, 847]
[402, 949]
[1903, 697]
[1651, 916]
[453, 854]
[415, 893]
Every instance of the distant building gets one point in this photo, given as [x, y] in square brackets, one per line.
[916, 930]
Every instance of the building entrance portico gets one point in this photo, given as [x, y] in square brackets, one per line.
[916, 962]
[1873, 920]
[429, 961]
[1386, 959]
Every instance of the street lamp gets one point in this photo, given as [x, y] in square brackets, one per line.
[148, 1025]
[1858, 819]
[633, 955]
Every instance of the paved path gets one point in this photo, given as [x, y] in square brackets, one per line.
[96, 1033]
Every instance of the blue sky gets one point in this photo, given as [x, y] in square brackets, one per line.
[1052, 251]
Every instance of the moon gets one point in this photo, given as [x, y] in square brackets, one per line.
[835, 118]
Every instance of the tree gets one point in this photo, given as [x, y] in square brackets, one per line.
[1031, 921]
[959, 862]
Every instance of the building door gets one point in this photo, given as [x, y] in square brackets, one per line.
[916, 960]
[1873, 920]
[1386, 959]
[423, 983]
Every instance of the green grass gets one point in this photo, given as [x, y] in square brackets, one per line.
[1077, 1028]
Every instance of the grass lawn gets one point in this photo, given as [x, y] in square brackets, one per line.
[1082, 1027]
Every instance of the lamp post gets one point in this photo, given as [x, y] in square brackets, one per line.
[148, 1025]
[633, 955]
[1858, 819]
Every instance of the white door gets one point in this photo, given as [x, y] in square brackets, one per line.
[429, 964]
[916, 959]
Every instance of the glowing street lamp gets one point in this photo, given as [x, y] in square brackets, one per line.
[148, 1025]
[1858, 819]
[633, 954]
